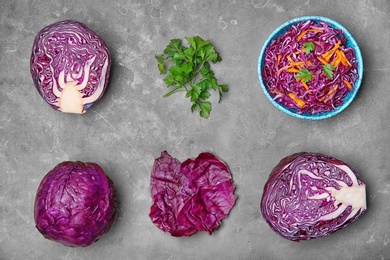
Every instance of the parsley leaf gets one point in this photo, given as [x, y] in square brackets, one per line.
[328, 70]
[309, 47]
[304, 74]
[194, 93]
[172, 48]
[197, 42]
[205, 108]
[189, 70]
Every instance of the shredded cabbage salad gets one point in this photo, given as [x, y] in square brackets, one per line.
[309, 68]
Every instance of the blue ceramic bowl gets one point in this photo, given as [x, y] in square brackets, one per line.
[351, 42]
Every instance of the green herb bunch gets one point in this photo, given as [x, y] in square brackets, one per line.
[189, 71]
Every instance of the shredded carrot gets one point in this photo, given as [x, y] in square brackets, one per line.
[327, 55]
[292, 70]
[316, 30]
[300, 36]
[297, 52]
[333, 89]
[330, 93]
[335, 47]
[336, 61]
[322, 99]
[279, 57]
[297, 63]
[344, 59]
[323, 61]
[293, 66]
[275, 92]
[305, 85]
[309, 63]
[349, 86]
[339, 53]
[339, 58]
[297, 100]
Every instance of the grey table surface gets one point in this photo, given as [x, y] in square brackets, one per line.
[132, 124]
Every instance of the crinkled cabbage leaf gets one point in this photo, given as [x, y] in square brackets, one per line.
[191, 196]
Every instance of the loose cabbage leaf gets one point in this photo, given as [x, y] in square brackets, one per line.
[191, 196]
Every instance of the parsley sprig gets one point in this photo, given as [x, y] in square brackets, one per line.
[304, 74]
[328, 70]
[309, 47]
[190, 71]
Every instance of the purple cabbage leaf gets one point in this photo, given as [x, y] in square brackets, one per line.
[191, 196]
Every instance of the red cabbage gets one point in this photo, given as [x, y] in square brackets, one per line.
[191, 196]
[321, 93]
[70, 66]
[75, 204]
[311, 195]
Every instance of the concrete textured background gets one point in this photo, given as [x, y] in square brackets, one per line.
[132, 124]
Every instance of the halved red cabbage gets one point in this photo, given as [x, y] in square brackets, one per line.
[311, 195]
[191, 196]
[319, 93]
[70, 66]
[75, 204]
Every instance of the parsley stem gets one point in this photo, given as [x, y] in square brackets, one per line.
[195, 77]
[173, 91]
[199, 68]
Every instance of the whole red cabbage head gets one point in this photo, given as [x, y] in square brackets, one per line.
[311, 195]
[75, 204]
[70, 66]
[191, 196]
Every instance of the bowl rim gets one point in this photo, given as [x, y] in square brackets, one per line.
[359, 60]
